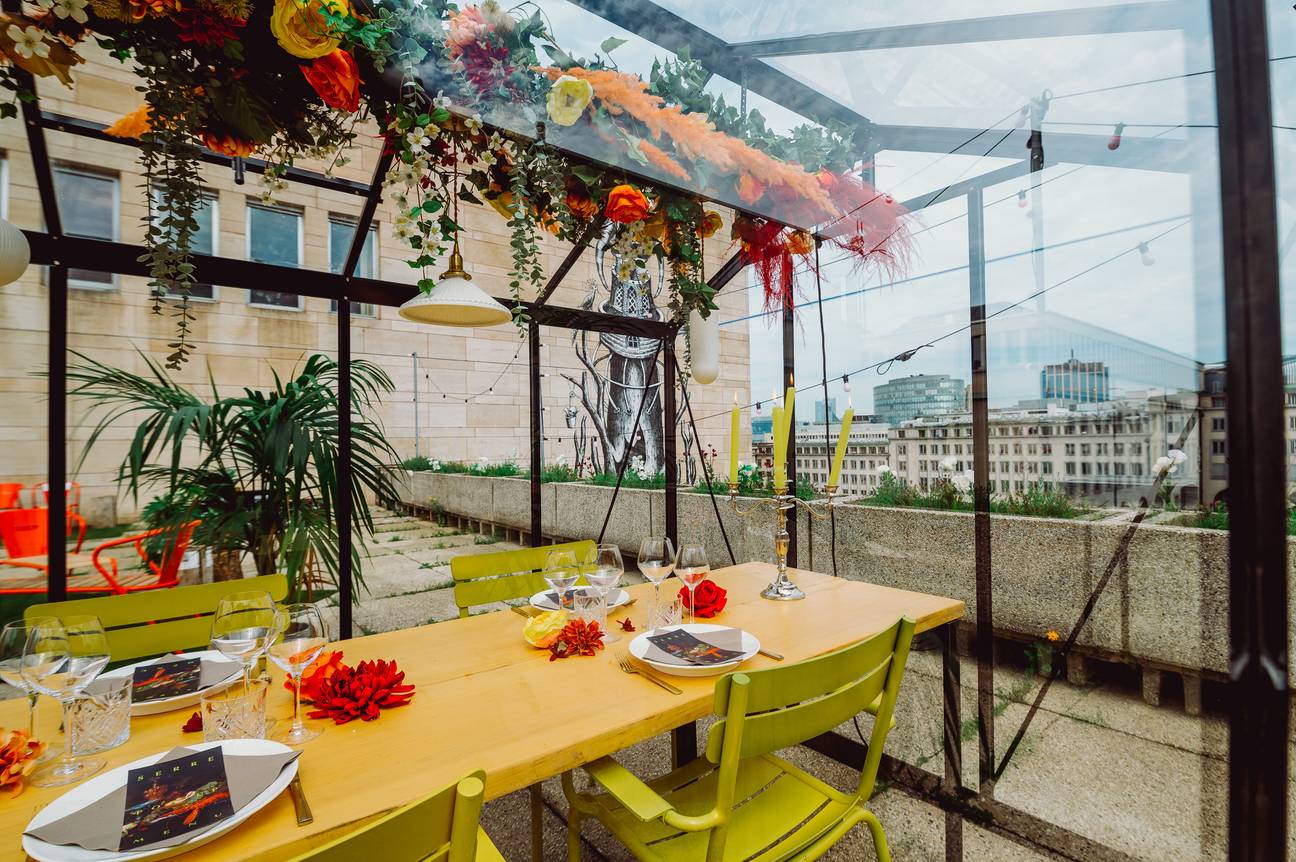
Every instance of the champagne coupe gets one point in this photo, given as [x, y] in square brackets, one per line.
[603, 571]
[692, 568]
[301, 638]
[13, 640]
[656, 560]
[61, 660]
[243, 627]
[561, 574]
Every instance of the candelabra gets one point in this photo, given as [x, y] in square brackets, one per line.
[782, 589]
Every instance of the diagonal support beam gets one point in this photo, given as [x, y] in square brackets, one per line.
[367, 214]
[569, 261]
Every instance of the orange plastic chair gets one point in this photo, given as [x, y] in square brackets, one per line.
[11, 495]
[25, 533]
[167, 570]
[40, 495]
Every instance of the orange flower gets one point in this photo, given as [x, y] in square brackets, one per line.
[658, 159]
[226, 144]
[750, 189]
[132, 125]
[139, 9]
[800, 242]
[626, 204]
[18, 756]
[711, 222]
[581, 205]
[319, 671]
[1053, 636]
[466, 27]
[337, 80]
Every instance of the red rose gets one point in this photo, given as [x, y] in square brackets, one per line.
[337, 80]
[711, 598]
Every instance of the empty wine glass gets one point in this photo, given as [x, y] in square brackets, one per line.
[603, 570]
[692, 568]
[60, 660]
[656, 560]
[13, 640]
[561, 574]
[301, 638]
[243, 627]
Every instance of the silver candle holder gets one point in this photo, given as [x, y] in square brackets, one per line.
[782, 589]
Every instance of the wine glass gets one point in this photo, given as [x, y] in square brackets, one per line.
[692, 568]
[301, 638]
[561, 574]
[13, 640]
[603, 571]
[656, 560]
[60, 660]
[243, 627]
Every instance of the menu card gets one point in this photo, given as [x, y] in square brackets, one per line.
[176, 675]
[678, 646]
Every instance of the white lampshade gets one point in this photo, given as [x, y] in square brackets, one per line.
[704, 347]
[455, 301]
[15, 253]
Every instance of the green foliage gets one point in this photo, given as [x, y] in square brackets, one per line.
[751, 484]
[417, 463]
[631, 479]
[1039, 500]
[554, 473]
[478, 468]
[257, 468]
[485, 540]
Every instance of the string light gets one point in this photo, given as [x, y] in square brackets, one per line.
[1115, 141]
[1145, 254]
[1021, 198]
[845, 382]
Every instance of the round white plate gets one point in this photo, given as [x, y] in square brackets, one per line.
[639, 649]
[101, 785]
[616, 598]
[180, 701]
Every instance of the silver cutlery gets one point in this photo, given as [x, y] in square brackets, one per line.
[771, 654]
[300, 804]
[628, 667]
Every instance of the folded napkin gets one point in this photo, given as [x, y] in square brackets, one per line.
[99, 825]
[214, 670]
[728, 640]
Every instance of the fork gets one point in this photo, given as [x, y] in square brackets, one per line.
[624, 661]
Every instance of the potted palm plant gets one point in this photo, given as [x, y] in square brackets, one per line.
[258, 469]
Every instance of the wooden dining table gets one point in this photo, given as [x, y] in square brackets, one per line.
[485, 699]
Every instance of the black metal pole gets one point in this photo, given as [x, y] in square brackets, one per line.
[345, 574]
[56, 584]
[952, 690]
[789, 374]
[533, 367]
[668, 433]
[1258, 701]
[981, 492]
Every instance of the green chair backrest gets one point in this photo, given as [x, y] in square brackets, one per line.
[765, 710]
[440, 826]
[480, 579]
[154, 622]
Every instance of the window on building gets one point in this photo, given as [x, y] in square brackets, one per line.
[1086, 449]
[1070, 468]
[274, 235]
[1218, 447]
[1217, 423]
[1070, 448]
[88, 203]
[204, 241]
[1120, 468]
[1219, 470]
[1086, 468]
[341, 232]
[1118, 448]
[1046, 467]
[1136, 469]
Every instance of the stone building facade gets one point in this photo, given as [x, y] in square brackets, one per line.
[464, 390]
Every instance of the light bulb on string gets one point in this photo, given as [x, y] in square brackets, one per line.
[846, 387]
[758, 408]
[1021, 198]
[1115, 141]
[1145, 254]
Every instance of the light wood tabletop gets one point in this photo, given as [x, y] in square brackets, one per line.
[487, 700]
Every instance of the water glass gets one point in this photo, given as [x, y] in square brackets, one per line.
[301, 638]
[603, 571]
[666, 614]
[13, 640]
[656, 560]
[60, 661]
[243, 627]
[101, 716]
[592, 608]
[561, 573]
[692, 567]
[235, 710]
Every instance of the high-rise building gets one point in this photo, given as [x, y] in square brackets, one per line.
[1075, 382]
[826, 411]
[917, 396]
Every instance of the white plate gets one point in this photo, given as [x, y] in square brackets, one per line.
[180, 701]
[639, 649]
[102, 785]
[615, 599]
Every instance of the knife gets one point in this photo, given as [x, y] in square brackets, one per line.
[300, 804]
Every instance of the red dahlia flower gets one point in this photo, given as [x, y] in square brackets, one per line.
[361, 693]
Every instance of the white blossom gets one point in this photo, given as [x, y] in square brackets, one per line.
[963, 482]
[1177, 456]
[883, 469]
[28, 41]
[948, 465]
[473, 123]
[74, 9]
[441, 101]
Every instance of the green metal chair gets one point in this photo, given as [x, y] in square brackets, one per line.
[140, 625]
[480, 579]
[441, 826]
[740, 801]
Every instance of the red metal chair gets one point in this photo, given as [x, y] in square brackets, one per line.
[11, 495]
[25, 532]
[40, 495]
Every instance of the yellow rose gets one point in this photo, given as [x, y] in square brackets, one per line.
[568, 98]
[300, 27]
[543, 629]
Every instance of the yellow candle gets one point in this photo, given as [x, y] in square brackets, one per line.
[733, 442]
[779, 449]
[842, 439]
[789, 402]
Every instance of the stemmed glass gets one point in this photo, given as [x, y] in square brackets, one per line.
[301, 639]
[656, 560]
[561, 574]
[603, 571]
[243, 627]
[13, 641]
[61, 660]
[692, 568]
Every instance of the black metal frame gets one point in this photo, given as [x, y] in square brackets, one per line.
[1258, 589]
